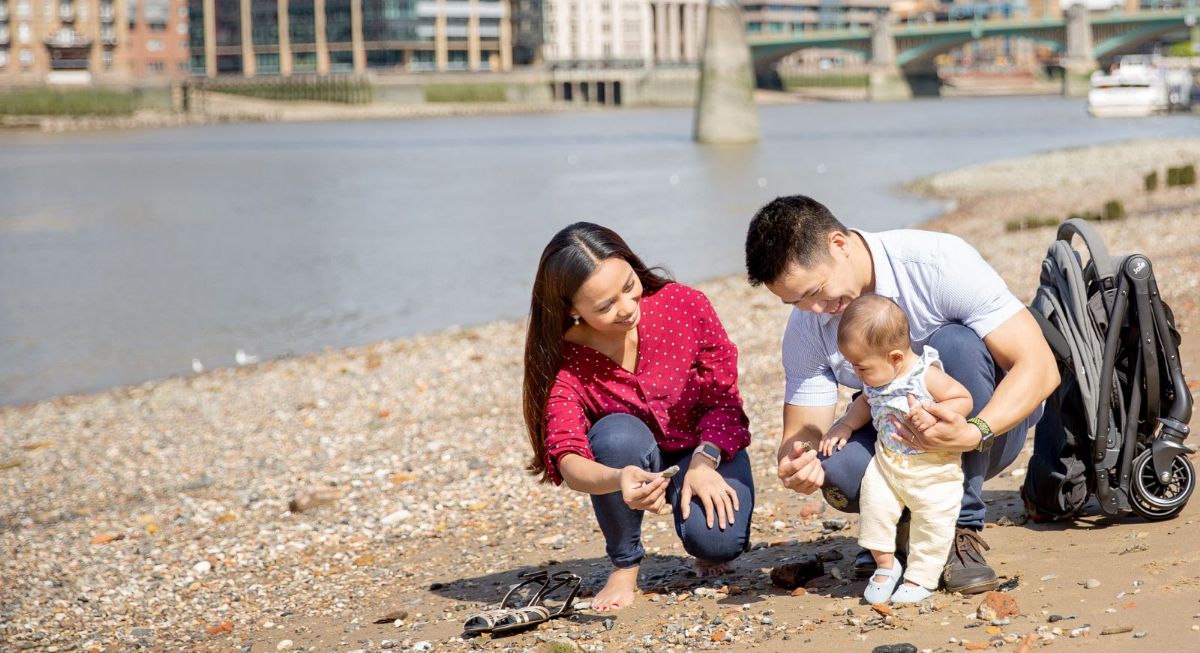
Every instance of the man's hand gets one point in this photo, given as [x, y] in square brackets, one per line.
[835, 439]
[643, 490]
[933, 427]
[702, 481]
[800, 471]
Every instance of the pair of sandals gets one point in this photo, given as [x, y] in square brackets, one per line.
[882, 591]
[509, 617]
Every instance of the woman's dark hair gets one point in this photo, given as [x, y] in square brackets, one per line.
[788, 230]
[572, 256]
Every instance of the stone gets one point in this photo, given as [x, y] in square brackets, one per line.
[283, 645]
[835, 524]
[314, 498]
[795, 574]
[202, 567]
[903, 647]
[388, 644]
[1091, 583]
[997, 605]
[1116, 630]
[394, 615]
[220, 629]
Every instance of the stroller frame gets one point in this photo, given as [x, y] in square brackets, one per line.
[1115, 341]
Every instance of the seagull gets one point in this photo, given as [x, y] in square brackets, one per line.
[243, 358]
[197, 366]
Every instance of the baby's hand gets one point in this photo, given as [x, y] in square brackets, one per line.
[834, 440]
[920, 419]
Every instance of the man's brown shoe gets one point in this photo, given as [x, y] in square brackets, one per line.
[966, 571]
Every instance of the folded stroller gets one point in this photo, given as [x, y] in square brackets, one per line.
[1116, 425]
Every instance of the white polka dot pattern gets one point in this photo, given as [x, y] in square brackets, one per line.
[684, 387]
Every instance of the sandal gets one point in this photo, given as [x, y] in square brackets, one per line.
[537, 612]
[486, 620]
[880, 592]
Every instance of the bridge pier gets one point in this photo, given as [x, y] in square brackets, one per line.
[725, 111]
[885, 81]
[1080, 61]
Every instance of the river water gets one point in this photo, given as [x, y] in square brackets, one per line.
[124, 255]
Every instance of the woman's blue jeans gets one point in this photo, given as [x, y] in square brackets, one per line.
[619, 440]
[966, 358]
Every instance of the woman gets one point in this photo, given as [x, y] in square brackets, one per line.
[626, 374]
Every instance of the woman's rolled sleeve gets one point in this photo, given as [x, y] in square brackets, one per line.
[567, 425]
[724, 422]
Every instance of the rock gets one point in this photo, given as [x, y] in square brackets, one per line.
[1048, 577]
[1058, 617]
[904, 647]
[608, 624]
[1139, 634]
[388, 618]
[1028, 643]
[105, 538]
[220, 629]
[1081, 631]
[202, 567]
[799, 591]
[283, 645]
[395, 517]
[1116, 630]
[835, 524]
[836, 573]
[388, 644]
[1091, 583]
[997, 605]
[882, 609]
[796, 574]
[422, 646]
[314, 498]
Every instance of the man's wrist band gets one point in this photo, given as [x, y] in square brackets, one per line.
[986, 437]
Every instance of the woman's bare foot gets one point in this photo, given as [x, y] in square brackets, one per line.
[705, 568]
[620, 590]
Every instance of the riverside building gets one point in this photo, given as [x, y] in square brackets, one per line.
[622, 33]
[81, 41]
[286, 37]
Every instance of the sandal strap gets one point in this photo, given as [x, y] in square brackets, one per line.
[894, 572]
[525, 615]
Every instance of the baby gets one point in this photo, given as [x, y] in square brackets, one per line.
[873, 337]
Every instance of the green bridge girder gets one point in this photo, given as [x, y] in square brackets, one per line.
[1113, 34]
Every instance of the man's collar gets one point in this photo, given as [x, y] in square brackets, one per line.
[885, 277]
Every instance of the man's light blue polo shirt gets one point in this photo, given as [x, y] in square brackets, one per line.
[937, 278]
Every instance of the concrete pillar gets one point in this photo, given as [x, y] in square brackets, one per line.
[441, 51]
[1080, 62]
[725, 111]
[647, 35]
[285, 39]
[674, 50]
[506, 37]
[322, 39]
[618, 31]
[689, 32]
[357, 51]
[660, 32]
[210, 38]
[885, 80]
[249, 65]
[473, 34]
[120, 30]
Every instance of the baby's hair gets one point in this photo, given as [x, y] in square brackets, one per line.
[875, 321]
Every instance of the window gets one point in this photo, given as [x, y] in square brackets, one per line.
[154, 45]
[156, 67]
[26, 58]
[23, 33]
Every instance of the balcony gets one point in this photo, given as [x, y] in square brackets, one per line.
[66, 13]
[107, 14]
[108, 36]
[3, 34]
[3, 11]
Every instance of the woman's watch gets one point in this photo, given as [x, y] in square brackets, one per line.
[710, 451]
[986, 437]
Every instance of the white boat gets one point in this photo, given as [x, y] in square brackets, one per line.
[1139, 85]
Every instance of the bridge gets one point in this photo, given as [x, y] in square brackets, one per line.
[902, 56]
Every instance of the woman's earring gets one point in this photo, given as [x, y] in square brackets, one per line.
[575, 319]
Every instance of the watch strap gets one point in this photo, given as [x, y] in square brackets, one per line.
[985, 433]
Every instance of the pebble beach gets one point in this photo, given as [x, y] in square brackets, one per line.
[369, 498]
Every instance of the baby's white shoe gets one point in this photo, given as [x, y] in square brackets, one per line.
[911, 594]
[879, 592]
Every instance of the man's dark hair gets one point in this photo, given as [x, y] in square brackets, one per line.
[788, 230]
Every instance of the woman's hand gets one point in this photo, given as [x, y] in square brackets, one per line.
[932, 427]
[702, 481]
[800, 470]
[643, 490]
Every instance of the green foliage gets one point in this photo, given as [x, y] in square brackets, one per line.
[824, 80]
[1181, 176]
[1114, 210]
[465, 93]
[72, 102]
[343, 90]
[1090, 216]
[1150, 182]
[1030, 222]
[1182, 49]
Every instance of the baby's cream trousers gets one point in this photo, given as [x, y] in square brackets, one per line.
[930, 485]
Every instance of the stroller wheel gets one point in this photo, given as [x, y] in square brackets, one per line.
[1155, 500]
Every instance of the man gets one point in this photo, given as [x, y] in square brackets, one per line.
[955, 302]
